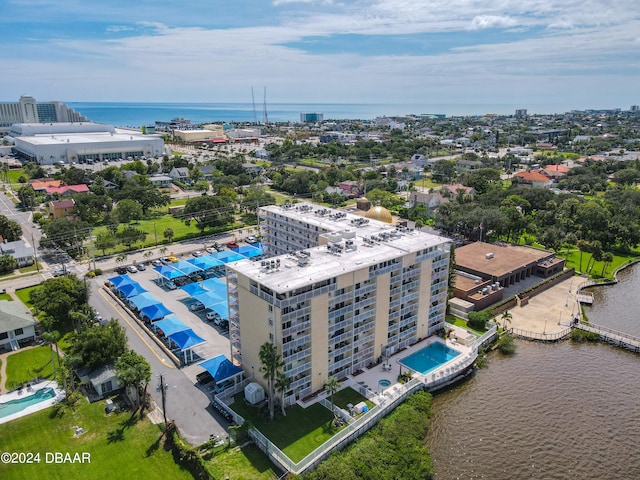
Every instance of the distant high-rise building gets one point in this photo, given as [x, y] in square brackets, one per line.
[311, 117]
[635, 108]
[521, 113]
[27, 110]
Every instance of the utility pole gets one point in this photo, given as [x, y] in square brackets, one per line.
[164, 399]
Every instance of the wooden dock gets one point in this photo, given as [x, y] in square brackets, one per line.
[614, 337]
[586, 298]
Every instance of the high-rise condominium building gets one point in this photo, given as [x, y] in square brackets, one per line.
[340, 291]
[27, 110]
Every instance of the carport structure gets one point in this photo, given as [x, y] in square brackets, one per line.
[187, 268]
[128, 290]
[120, 280]
[181, 337]
[168, 272]
[249, 251]
[154, 312]
[138, 302]
[207, 262]
[221, 369]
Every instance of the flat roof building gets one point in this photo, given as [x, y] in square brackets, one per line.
[359, 290]
[28, 110]
[47, 144]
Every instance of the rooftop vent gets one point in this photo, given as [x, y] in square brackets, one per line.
[489, 256]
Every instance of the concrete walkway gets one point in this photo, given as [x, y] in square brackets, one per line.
[549, 312]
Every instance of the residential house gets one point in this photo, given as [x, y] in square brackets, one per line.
[458, 188]
[531, 179]
[17, 326]
[102, 380]
[468, 165]
[555, 172]
[180, 174]
[67, 190]
[160, 181]
[253, 168]
[42, 185]
[110, 186]
[430, 200]
[350, 187]
[207, 171]
[419, 160]
[61, 208]
[22, 253]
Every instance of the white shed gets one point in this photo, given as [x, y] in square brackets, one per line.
[254, 393]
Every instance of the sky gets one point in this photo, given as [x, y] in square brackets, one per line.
[570, 53]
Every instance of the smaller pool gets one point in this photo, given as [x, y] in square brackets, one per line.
[384, 382]
[19, 404]
[429, 358]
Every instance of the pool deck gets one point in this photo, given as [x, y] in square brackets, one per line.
[367, 382]
[17, 394]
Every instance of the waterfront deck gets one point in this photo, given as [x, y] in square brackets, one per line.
[609, 335]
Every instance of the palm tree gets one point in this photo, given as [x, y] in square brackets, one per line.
[120, 259]
[583, 246]
[271, 363]
[607, 258]
[506, 318]
[52, 338]
[282, 384]
[332, 385]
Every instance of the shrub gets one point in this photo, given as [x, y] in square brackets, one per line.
[98, 271]
[90, 274]
[506, 344]
[478, 320]
[578, 335]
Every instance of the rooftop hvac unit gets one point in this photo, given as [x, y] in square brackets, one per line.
[348, 234]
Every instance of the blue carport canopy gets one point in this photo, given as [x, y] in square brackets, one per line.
[120, 280]
[144, 300]
[215, 285]
[170, 325]
[205, 262]
[186, 339]
[229, 256]
[220, 368]
[193, 289]
[154, 312]
[168, 272]
[131, 289]
[221, 309]
[208, 298]
[249, 251]
[187, 268]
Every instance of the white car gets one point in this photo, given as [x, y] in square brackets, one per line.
[212, 316]
[197, 253]
[251, 239]
[132, 269]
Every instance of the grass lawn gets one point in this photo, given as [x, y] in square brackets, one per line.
[119, 448]
[5, 296]
[28, 364]
[23, 295]
[297, 434]
[573, 260]
[14, 174]
[30, 268]
[245, 462]
[459, 322]
[349, 395]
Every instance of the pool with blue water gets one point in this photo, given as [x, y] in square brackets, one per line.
[429, 358]
[19, 404]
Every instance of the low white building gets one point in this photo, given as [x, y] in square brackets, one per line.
[47, 144]
[17, 325]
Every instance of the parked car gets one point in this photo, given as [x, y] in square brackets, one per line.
[165, 260]
[232, 245]
[251, 239]
[156, 263]
[218, 247]
[121, 270]
[212, 316]
[197, 253]
[222, 323]
[58, 272]
[171, 285]
[141, 267]
[195, 307]
[132, 269]
[210, 250]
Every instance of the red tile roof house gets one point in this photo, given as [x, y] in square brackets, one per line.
[67, 190]
[350, 187]
[531, 179]
[555, 172]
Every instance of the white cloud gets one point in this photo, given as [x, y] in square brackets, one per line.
[119, 28]
[491, 21]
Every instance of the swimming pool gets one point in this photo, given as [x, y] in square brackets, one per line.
[430, 357]
[17, 405]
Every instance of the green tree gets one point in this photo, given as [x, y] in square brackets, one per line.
[271, 363]
[59, 297]
[10, 230]
[332, 386]
[99, 345]
[7, 263]
[607, 258]
[131, 235]
[105, 241]
[282, 384]
[208, 211]
[506, 344]
[506, 319]
[52, 339]
[134, 372]
[128, 210]
[168, 234]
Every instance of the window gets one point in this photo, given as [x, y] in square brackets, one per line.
[18, 331]
[4, 335]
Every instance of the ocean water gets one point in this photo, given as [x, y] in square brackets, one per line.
[138, 114]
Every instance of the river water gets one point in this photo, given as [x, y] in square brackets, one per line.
[551, 411]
